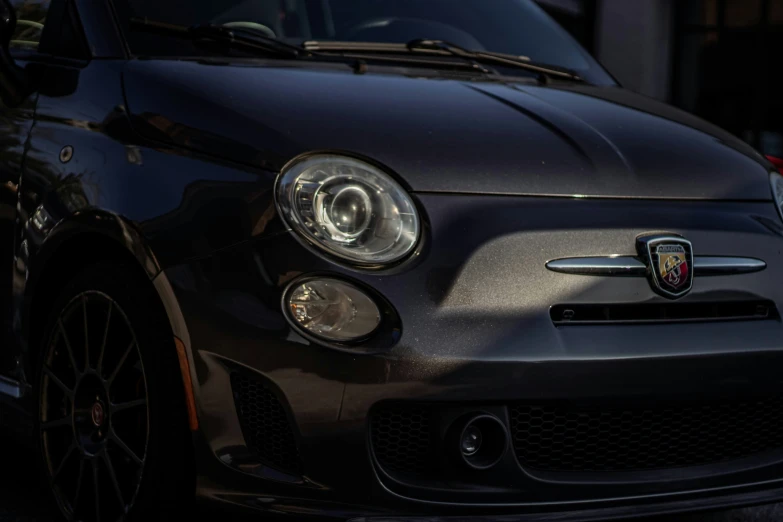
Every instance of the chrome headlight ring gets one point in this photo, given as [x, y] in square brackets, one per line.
[348, 208]
[776, 182]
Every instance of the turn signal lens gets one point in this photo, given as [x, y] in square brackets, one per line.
[333, 310]
[777, 162]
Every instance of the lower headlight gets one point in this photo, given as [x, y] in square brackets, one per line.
[333, 310]
[349, 208]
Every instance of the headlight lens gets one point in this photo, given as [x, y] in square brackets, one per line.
[349, 208]
[334, 310]
[776, 180]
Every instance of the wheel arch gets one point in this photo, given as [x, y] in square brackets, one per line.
[86, 238]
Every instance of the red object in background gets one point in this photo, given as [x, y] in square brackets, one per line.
[777, 162]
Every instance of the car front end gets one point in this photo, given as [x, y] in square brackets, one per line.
[477, 298]
[411, 279]
[590, 392]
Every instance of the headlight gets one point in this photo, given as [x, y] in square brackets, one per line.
[349, 208]
[776, 180]
[334, 310]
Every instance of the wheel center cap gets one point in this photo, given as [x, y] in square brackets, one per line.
[98, 414]
[91, 413]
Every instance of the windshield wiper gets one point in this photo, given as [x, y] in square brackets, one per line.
[239, 38]
[506, 60]
[442, 48]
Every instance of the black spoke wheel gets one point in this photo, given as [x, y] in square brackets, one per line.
[110, 402]
[94, 415]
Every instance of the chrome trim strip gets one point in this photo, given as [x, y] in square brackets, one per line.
[714, 265]
[601, 266]
[631, 266]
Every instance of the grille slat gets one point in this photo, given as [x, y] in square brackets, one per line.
[589, 314]
[601, 439]
[265, 424]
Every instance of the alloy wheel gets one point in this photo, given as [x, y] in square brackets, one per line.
[94, 415]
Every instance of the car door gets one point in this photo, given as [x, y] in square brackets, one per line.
[16, 121]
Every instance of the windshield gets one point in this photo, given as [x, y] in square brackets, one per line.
[515, 27]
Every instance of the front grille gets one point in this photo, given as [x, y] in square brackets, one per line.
[264, 422]
[402, 439]
[600, 439]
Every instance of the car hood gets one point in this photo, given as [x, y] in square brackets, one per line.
[445, 134]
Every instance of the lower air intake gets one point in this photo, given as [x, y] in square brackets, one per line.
[265, 424]
[563, 438]
[402, 439]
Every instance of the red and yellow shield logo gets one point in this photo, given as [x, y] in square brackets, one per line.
[673, 265]
[669, 259]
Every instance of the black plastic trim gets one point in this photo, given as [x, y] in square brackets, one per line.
[662, 313]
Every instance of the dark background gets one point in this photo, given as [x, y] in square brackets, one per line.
[719, 59]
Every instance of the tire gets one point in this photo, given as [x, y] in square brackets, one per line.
[113, 436]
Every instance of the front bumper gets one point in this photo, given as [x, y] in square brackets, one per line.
[477, 335]
[299, 509]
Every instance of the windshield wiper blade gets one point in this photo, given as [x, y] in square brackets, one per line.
[241, 38]
[507, 60]
[388, 52]
[442, 48]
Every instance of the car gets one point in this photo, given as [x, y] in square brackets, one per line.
[372, 260]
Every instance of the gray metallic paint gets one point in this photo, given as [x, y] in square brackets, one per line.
[476, 135]
[468, 332]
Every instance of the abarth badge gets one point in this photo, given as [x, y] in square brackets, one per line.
[669, 259]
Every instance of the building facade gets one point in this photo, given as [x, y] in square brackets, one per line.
[719, 59]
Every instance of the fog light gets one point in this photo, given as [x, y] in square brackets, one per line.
[471, 440]
[479, 440]
[333, 310]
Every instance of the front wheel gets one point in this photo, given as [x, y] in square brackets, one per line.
[112, 421]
